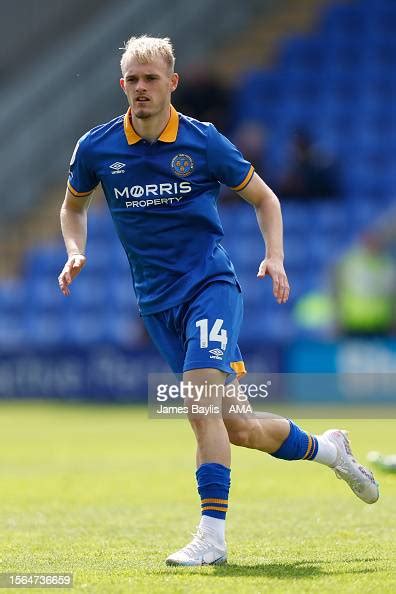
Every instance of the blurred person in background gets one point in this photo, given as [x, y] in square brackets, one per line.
[205, 97]
[311, 173]
[365, 290]
[161, 173]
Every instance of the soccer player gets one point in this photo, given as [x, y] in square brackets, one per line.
[161, 172]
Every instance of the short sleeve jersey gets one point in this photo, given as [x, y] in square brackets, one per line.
[163, 200]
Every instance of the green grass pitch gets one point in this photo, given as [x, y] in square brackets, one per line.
[106, 493]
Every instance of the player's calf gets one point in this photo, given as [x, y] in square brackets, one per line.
[265, 435]
[245, 430]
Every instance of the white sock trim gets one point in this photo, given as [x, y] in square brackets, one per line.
[215, 527]
[327, 451]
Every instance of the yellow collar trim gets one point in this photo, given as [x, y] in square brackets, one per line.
[168, 134]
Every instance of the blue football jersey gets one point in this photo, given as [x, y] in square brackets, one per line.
[163, 199]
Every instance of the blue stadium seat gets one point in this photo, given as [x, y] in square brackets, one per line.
[124, 329]
[12, 330]
[257, 293]
[302, 51]
[323, 250]
[100, 224]
[329, 217]
[296, 250]
[99, 256]
[83, 327]
[275, 325]
[45, 329]
[44, 294]
[14, 296]
[120, 294]
[46, 258]
[345, 20]
[89, 291]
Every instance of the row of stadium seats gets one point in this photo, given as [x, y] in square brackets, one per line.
[327, 216]
[81, 328]
[339, 83]
[326, 227]
[109, 260]
[344, 19]
[117, 298]
[33, 310]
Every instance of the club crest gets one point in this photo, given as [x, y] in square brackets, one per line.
[182, 165]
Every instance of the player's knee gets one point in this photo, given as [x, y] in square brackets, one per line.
[239, 437]
[197, 425]
[204, 426]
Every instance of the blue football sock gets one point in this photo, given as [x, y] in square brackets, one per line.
[298, 445]
[213, 486]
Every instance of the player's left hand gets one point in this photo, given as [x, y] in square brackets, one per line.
[274, 268]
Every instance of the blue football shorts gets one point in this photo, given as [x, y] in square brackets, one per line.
[203, 332]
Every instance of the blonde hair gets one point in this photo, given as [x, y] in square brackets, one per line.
[145, 49]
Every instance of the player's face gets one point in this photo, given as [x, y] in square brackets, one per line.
[148, 87]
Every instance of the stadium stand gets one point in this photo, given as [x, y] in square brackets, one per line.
[86, 56]
[339, 83]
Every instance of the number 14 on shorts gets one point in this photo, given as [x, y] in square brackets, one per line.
[216, 334]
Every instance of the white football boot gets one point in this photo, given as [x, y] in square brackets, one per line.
[202, 550]
[346, 467]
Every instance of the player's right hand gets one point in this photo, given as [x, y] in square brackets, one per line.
[71, 269]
